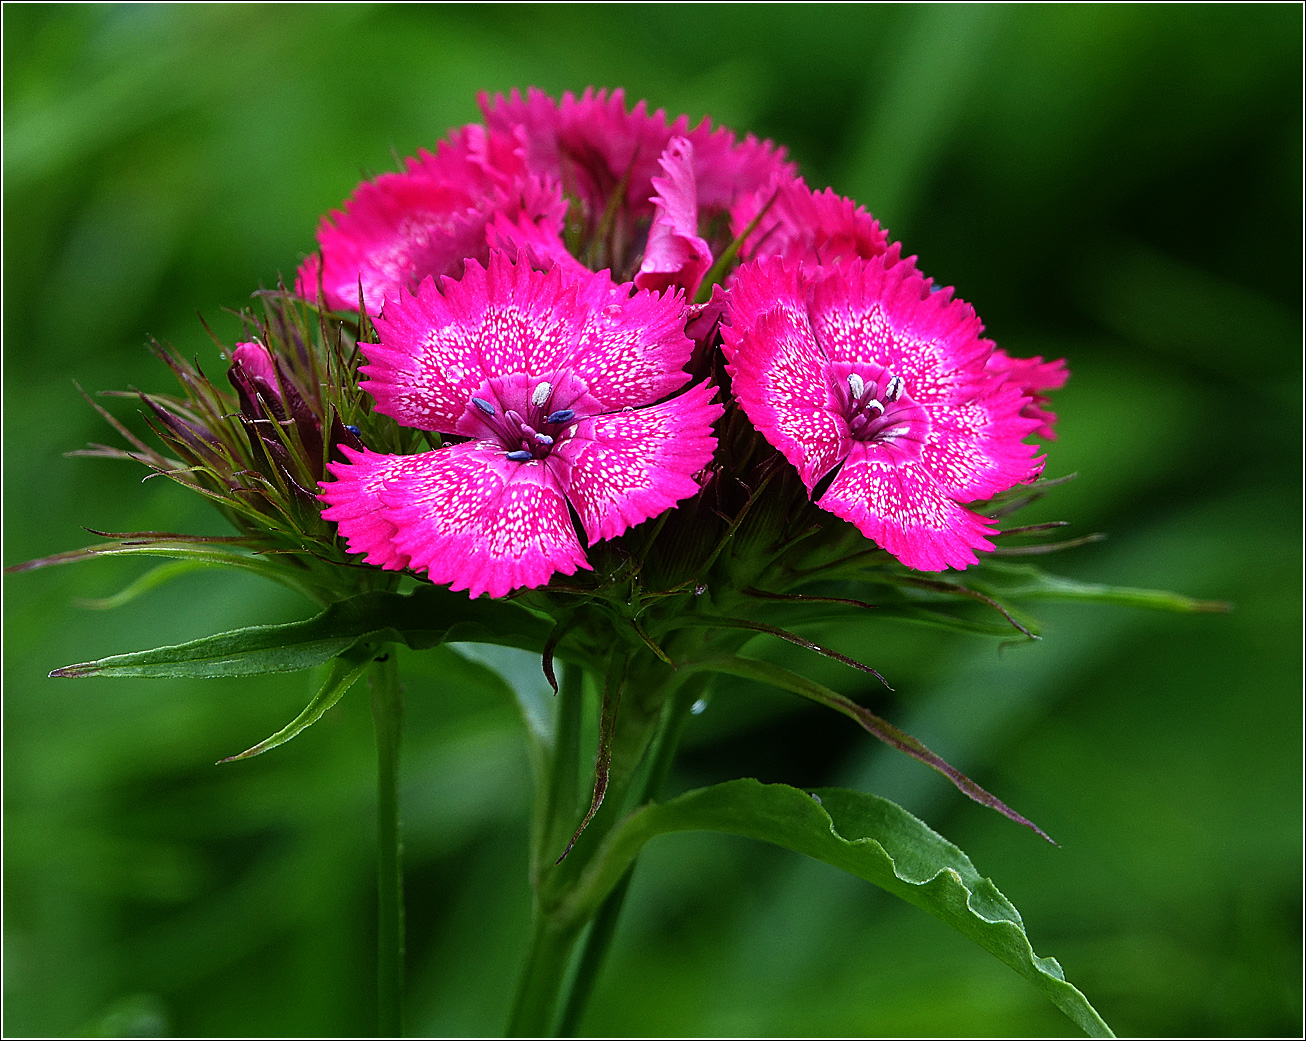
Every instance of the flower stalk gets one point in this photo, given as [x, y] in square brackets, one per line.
[387, 716]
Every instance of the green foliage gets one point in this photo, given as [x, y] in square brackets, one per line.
[426, 617]
[866, 836]
[1116, 185]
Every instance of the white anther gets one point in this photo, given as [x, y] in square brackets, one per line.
[856, 384]
[541, 394]
[894, 390]
[874, 404]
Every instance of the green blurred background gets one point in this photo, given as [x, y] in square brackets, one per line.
[1117, 185]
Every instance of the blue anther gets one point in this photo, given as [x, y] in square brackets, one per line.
[544, 439]
[353, 429]
[483, 405]
[520, 456]
[563, 415]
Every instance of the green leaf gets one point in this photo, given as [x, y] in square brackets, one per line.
[227, 551]
[426, 617]
[343, 673]
[1026, 580]
[865, 835]
[152, 579]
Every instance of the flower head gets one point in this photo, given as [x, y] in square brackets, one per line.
[650, 196]
[557, 381]
[878, 388]
[429, 220]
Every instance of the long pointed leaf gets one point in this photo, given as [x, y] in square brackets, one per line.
[1029, 581]
[607, 729]
[776, 676]
[344, 672]
[712, 622]
[865, 835]
[424, 618]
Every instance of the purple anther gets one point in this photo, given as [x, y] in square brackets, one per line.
[483, 405]
[520, 456]
[563, 415]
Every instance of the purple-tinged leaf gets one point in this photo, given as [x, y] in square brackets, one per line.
[776, 676]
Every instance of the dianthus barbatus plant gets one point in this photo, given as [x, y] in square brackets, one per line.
[627, 394]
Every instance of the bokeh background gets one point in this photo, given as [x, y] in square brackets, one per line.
[1117, 185]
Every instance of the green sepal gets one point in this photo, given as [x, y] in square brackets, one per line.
[865, 835]
[343, 673]
[426, 617]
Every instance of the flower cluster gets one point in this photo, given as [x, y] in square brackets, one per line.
[549, 293]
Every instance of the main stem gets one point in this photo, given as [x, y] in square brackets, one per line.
[388, 715]
[550, 1002]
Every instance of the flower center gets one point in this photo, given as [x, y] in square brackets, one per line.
[530, 433]
[875, 409]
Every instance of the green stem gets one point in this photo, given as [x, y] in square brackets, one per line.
[562, 785]
[387, 715]
[594, 946]
[543, 978]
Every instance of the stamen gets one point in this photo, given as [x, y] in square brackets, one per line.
[856, 384]
[874, 404]
[521, 455]
[483, 405]
[895, 388]
[541, 394]
[563, 415]
[543, 439]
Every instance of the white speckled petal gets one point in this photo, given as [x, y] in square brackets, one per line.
[472, 518]
[777, 371]
[354, 504]
[625, 467]
[887, 313]
[901, 507]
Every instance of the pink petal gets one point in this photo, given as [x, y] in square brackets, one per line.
[426, 222]
[354, 501]
[976, 448]
[537, 242]
[625, 467]
[1033, 375]
[632, 349]
[438, 348]
[675, 254]
[885, 311]
[777, 369]
[256, 360]
[391, 233]
[902, 508]
[795, 222]
[472, 518]
[592, 144]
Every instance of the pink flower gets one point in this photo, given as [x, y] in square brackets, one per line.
[558, 381]
[1034, 376]
[429, 220]
[879, 390]
[797, 223]
[645, 186]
